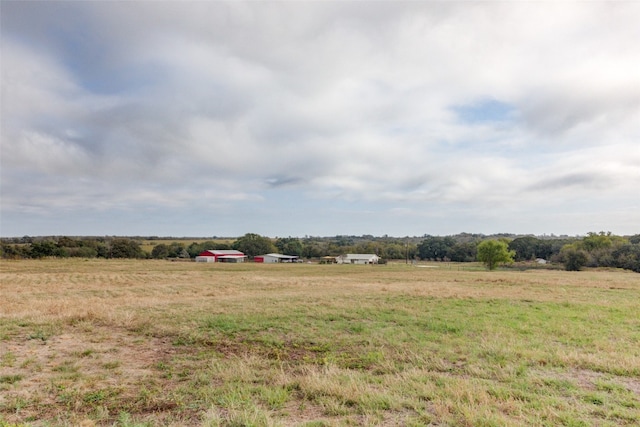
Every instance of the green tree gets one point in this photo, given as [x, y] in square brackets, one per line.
[126, 248]
[252, 244]
[573, 257]
[524, 247]
[628, 257]
[82, 252]
[194, 249]
[160, 251]
[435, 247]
[494, 252]
[395, 251]
[43, 249]
[289, 246]
[463, 252]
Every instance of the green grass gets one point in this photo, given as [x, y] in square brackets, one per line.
[244, 345]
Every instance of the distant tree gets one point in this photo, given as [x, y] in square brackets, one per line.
[43, 249]
[524, 247]
[463, 252]
[194, 249]
[494, 252]
[544, 249]
[82, 252]
[126, 248]
[435, 247]
[573, 257]
[177, 250]
[628, 257]
[252, 244]
[312, 249]
[595, 241]
[14, 251]
[160, 251]
[395, 251]
[67, 242]
[289, 246]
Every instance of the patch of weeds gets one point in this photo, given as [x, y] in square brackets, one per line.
[332, 407]
[152, 398]
[440, 327]
[125, 420]
[569, 420]
[499, 393]
[31, 362]
[85, 353]
[67, 397]
[10, 379]
[183, 341]
[111, 365]
[249, 417]
[630, 403]
[319, 347]
[184, 374]
[559, 384]
[362, 362]
[167, 372]
[8, 359]
[495, 357]
[15, 404]
[66, 367]
[356, 328]
[39, 335]
[275, 397]
[372, 402]
[227, 325]
[100, 413]
[626, 417]
[94, 397]
[609, 387]
[521, 370]
[594, 399]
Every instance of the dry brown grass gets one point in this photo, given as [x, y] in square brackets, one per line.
[96, 338]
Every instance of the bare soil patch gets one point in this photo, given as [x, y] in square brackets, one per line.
[66, 368]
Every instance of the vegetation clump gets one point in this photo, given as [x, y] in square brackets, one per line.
[494, 252]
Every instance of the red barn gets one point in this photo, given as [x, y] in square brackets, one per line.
[215, 255]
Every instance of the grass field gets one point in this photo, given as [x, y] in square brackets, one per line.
[136, 343]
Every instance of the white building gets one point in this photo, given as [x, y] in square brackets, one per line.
[358, 259]
[275, 258]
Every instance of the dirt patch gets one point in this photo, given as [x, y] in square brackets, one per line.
[589, 380]
[81, 368]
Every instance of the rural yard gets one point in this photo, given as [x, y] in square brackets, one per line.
[147, 343]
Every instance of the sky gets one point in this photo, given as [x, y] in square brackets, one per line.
[319, 118]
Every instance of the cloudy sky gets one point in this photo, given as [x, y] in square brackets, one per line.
[319, 118]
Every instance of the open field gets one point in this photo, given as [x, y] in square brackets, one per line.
[134, 343]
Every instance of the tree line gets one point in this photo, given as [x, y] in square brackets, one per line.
[600, 249]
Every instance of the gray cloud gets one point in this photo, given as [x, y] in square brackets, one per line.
[115, 105]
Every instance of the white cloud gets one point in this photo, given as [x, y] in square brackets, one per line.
[355, 102]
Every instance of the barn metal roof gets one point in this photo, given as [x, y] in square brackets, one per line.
[282, 256]
[231, 252]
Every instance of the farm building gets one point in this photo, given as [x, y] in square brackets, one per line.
[358, 259]
[215, 255]
[275, 258]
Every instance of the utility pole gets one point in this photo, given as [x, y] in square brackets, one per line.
[407, 252]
